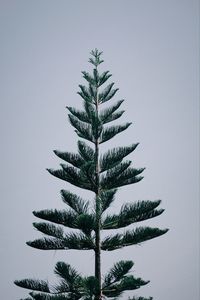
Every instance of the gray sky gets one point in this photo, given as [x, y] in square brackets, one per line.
[151, 48]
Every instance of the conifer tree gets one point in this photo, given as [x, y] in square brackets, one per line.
[102, 174]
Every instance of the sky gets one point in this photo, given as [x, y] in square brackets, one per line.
[151, 48]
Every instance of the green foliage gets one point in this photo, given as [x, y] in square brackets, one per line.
[49, 229]
[68, 274]
[78, 241]
[117, 272]
[106, 198]
[33, 284]
[115, 156]
[47, 244]
[79, 205]
[127, 283]
[83, 130]
[107, 94]
[109, 132]
[117, 175]
[81, 115]
[90, 287]
[117, 280]
[72, 285]
[62, 217]
[131, 237]
[120, 175]
[73, 176]
[71, 158]
[95, 60]
[106, 115]
[131, 213]
[86, 152]
[102, 174]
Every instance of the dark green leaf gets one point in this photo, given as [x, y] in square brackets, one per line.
[74, 159]
[104, 77]
[64, 217]
[96, 57]
[88, 171]
[88, 77]
[65, 271]
[83, 130]
[107, 114]
[81, 115]
[81, 221]
[90, 111]
[119, 175]
[95, 62]
[107, 197]
[49, 229]
[131, 213]
[72, 176]
[131, 283]
[96, 76]
[47, 244]
[70, 241]
[109, 132]
[33, 284]
[110, 222]
[115, 156]
[109, 96]
[85, 94]
[40, 296]
[131, 237]
[127, 283]
[78, 241]
[117, 272]
[112, 242]
[107, 93]
[62, 287]
[90, 285]
[122, 182]
[114, 172]
[85, 151]
[141, 234]
[79, 205]
[114, 116]
[93, 94]
[86, 223]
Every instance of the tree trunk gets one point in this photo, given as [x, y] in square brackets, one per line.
[98, 216]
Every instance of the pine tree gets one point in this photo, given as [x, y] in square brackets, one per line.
[101, 174]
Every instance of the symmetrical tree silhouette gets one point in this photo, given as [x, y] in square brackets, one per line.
[101, 174]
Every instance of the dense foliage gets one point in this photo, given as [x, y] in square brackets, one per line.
[101, 174]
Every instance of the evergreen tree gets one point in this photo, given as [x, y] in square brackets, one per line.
[101, 174]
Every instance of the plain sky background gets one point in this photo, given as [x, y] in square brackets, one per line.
[151, 48]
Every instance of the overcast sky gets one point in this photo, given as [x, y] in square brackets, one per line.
[151, 48]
